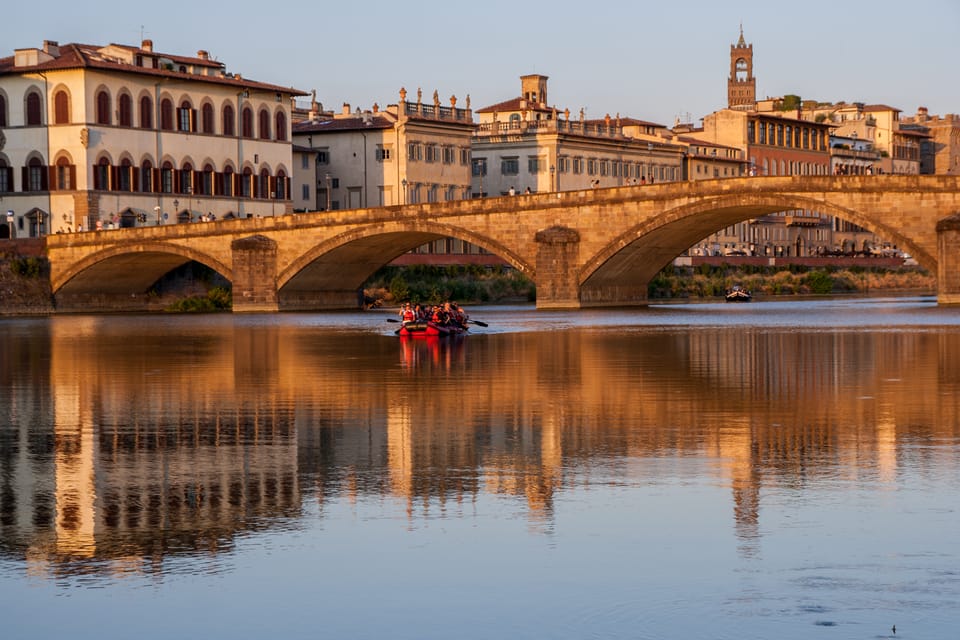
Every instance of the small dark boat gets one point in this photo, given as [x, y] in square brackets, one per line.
[738, 294]
[429, 329]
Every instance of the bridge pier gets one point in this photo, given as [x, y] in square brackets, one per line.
[558, 254]
[254, 274]
[948, 260]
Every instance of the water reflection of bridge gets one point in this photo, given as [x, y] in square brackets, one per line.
[142, 459]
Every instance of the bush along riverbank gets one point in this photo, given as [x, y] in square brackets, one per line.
[24, 285]
[426, 284]
[710, 281]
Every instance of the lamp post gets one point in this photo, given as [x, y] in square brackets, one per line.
[176, 206]
[553, 183]
[404, 183]
[328, 191]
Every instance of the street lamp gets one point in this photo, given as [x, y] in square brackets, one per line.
[176, 207]
[553, 184]
[404, 182]
[328, 192]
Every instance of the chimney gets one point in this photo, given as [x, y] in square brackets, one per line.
[346, 108]
[147, 45]
[51, 47]
[203, 54]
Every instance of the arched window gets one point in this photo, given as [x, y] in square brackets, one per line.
[166, 115]
[281, 126]
[36, 175]
[515, 121]
[103, 107]
[226, 185]
[246, 123]
[281, 190]
[264, 124]
[206, 118]
[66, 174]
[146, 176]
[125, 109]
[101, 175]
[125, 176]
[3, 110]
[146, 113]
[186, 178]
[166, 178]
[263, 184]
[205, 188]
[186, 117]
[34, 117]
[246, 183]
[6, 177]
[229, 121]
[61, 107]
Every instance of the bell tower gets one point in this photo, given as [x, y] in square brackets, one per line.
[741, 86]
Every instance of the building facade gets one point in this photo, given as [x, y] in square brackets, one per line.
[95, 137]
[523, 144]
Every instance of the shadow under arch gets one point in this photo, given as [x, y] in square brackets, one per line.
[344, 262]
[129, 269]
[634, 257]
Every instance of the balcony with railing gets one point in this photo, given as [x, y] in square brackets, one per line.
[436, 112]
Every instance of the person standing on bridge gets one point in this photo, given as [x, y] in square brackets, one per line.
[512, 191]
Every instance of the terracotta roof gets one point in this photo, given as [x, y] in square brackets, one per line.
[916, 133]
[514, 105]
[624, 122]
[352, 123]
[83, 56]
[879, 107]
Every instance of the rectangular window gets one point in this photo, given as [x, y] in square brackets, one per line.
[479, 166]
[510, 166]
[464, 156]
[382, 153]
[323, 156]
[305, 192]
[578, 165]
[414, 152]
[534, 164]
[449, 155]
[604, 167]
[35, 176]
[5, 182]
[591, 167]
[305, 161]
[431, 154]
[751, 132]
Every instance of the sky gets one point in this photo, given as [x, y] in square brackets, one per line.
[652, 61]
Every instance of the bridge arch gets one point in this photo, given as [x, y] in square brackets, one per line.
[129, 269]
[639, 253]
[348, 259]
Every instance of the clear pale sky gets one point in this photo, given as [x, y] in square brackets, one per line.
[652, 61]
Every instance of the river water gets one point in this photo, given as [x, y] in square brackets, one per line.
[772, 470]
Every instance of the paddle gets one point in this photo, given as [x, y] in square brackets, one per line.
[392, 320]
[477, 322]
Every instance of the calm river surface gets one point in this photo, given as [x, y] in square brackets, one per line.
[773, 470]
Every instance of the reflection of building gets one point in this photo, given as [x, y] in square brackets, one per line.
[524, 143]
[97, 136]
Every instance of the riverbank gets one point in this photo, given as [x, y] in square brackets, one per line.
[25, 284]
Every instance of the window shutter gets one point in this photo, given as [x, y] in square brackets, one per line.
[73, 177]
[197, 181]
[52, 178]
[272, 186]
[156, 180]
[96, 178]
[176, 181]
[114, 178]
[135, 179]
[193, 120]
[236, 184]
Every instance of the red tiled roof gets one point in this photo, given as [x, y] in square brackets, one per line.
[342, 124]
[82, 56]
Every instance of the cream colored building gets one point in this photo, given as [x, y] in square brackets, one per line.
[412, 152]
[524, 144]
[95, 137]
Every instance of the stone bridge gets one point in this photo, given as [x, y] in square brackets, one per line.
[590, 248]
